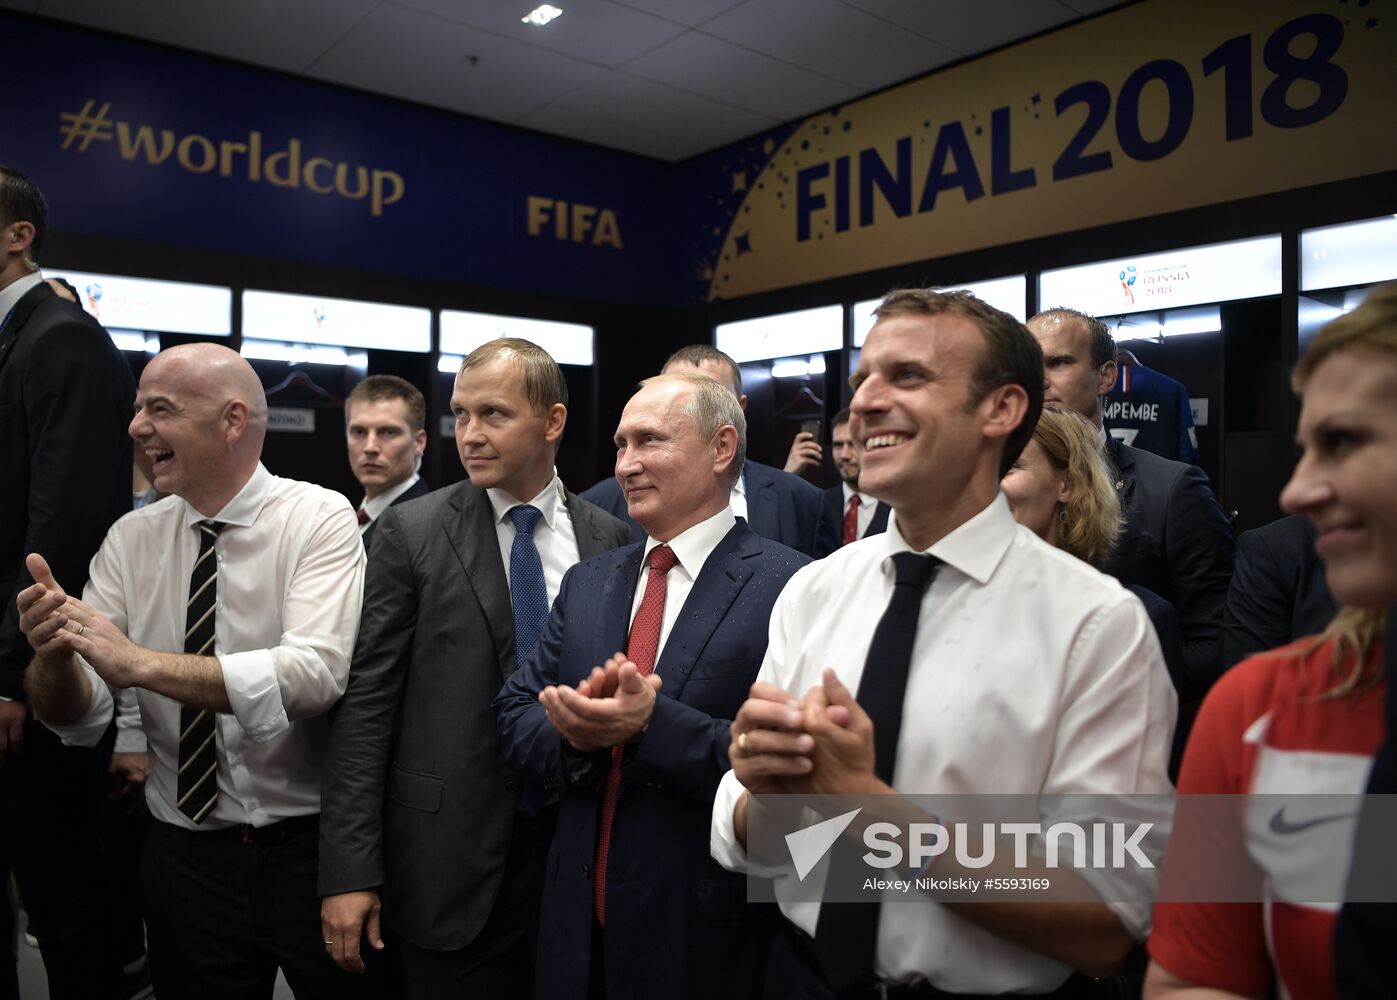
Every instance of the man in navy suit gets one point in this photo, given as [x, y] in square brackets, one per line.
[634, 905]
[65, 401]
[386, 435]
[1176, 541]
[859, 515]
[385, 430]
[776, 504]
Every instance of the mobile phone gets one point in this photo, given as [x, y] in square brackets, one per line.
[811, 427]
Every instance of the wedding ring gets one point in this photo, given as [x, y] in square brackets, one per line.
[742, 742]
[81, 628]
[328, 943]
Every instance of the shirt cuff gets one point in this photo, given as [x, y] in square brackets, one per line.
[92, 726]
[724, 845]
[254, 693]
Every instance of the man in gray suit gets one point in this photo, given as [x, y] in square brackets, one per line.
[419, 809]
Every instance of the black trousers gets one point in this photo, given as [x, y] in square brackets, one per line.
[499, 963]
[793, 973]
[52, 838]
[222, 914]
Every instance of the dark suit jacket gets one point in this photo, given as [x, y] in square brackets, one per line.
[417, 799]
[834, 500]
[1178, 543]
[65, 403]
[417, 489]
[677, 924]
[780, 506]
[1278, 591]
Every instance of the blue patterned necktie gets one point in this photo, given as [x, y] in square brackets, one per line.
[527, 591]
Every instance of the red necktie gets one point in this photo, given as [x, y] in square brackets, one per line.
[641, 648]
[851, 520]
[362, 515]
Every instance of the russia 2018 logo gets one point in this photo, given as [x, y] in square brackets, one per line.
[1127, 278]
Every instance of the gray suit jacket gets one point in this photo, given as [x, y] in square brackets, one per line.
[417, 801]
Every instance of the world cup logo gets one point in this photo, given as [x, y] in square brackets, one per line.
[1127, 278]
[93, 292]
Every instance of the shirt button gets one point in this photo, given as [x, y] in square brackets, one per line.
[586, 871]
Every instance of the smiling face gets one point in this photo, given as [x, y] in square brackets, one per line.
[1346, 480]
[1071, 380]
[503, 443]
[672, 476]
[180, 424]
[383, 449]
[923, 441]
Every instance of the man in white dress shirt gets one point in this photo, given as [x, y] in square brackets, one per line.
[231, 608]
[1025, 671]
[385, 432]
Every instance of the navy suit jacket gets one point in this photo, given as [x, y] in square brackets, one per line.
[1178, 543]
[417, 489]
[677, 924]
[834, 500]
[780, 506]
[65, 403]
[1278, 591]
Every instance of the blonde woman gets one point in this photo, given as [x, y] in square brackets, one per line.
[1307, 717]
[1060, 488]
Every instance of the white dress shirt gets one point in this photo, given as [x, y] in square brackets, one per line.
[375, 507]
[290, 585]
[692, 547]
[737, 497]
[1031, 673]
[867, 505]
[553, 535]
[13, 292]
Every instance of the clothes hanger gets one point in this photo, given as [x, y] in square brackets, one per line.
[300, 380]
[804, 398]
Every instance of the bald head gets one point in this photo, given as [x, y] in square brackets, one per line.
[201, 417]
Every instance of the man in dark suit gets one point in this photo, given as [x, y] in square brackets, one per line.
[419, 808]
[634, 905]
[1177, 541]
[858, 514]
[776, 504]
[1278, 591]
[385, 430]
[65, 401]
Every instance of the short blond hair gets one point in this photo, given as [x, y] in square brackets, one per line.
[1092, 520]
[544, 385]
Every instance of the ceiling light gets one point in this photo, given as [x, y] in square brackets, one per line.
[541, 15]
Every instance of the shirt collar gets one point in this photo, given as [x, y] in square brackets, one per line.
[975, 548]
[375, 507]
[695, 544]
[848, 492]
[246, 504]
[740, 487]
[502, 503]
[13, 292]
[1102, 436]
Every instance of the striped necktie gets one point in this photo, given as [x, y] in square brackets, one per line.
[198, 754]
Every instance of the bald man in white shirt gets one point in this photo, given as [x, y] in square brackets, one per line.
[231, 609]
